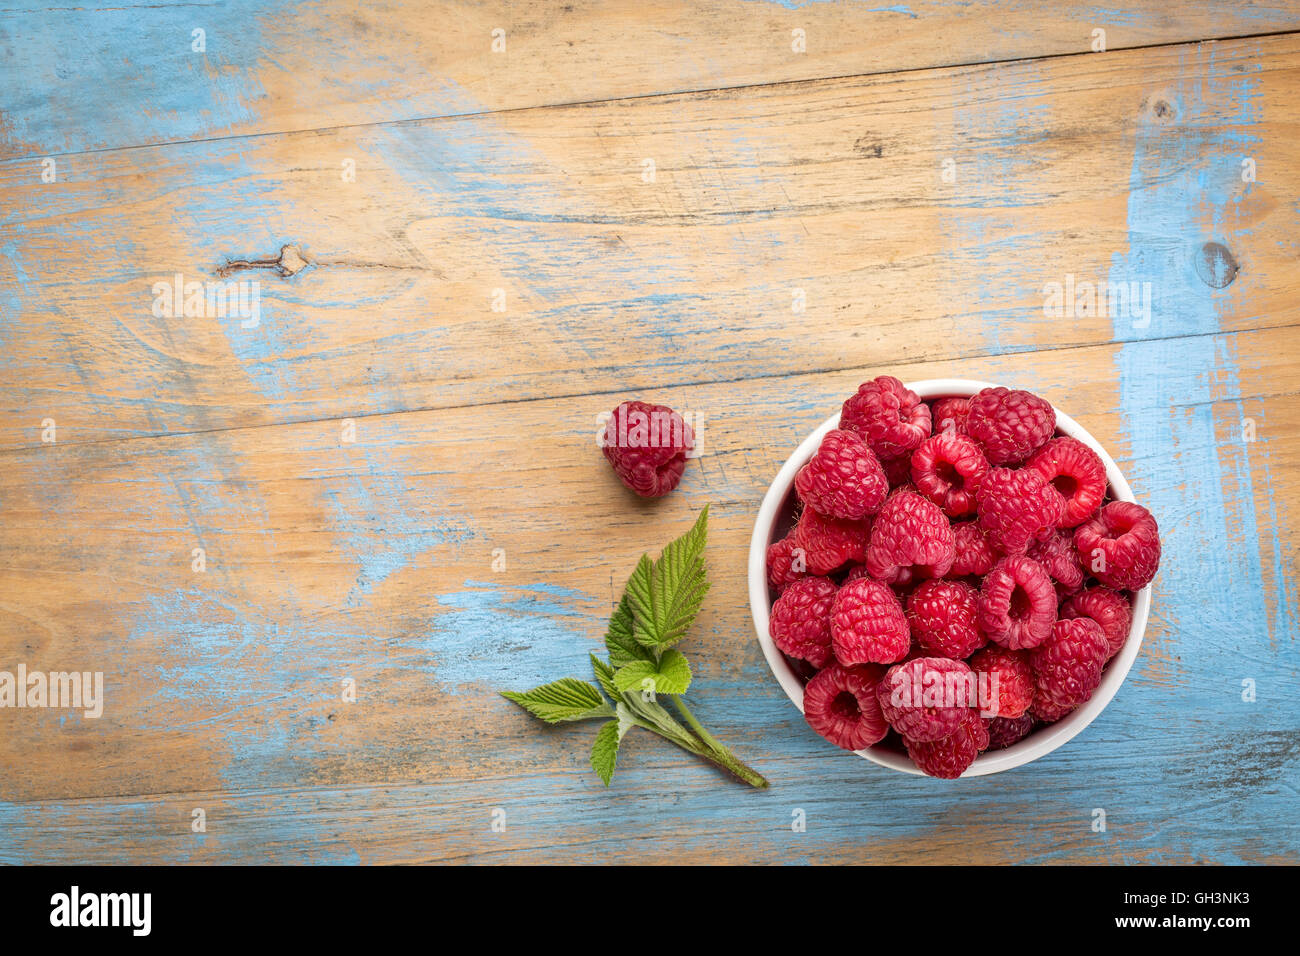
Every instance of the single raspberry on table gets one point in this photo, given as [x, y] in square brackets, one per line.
[867, 624]
[974, 554]
[844, 479]
[800, 624]
[1008, 676]
[828, 543]
[949, 415]
[648, 447]
[1121, 546]
[1067, 666]
[1016, 508]
[1057, 556]
[950, 757]
[927, 698]
[1017, 604]
[911, 538]
[1076, 472]
[785, 564]
[1005, 731]
[947, 469]
[888, 415]
[840, 703]
[1108, 608]
[943, 618]
[1009, 425]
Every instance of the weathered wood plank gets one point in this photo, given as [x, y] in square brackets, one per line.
[372, 560]
[660, 812]
[834, 188]
[82, 78]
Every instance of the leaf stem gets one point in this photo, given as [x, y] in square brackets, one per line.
[727, 761]
[680, 703]
[718, 753]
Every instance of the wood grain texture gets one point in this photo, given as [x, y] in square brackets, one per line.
[372, 561]
[351, 464]
[833, 188]
[95, 78]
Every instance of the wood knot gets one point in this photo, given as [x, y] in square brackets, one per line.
[1161, 107]
[289, 262]
[867, 146]
[1216, 265]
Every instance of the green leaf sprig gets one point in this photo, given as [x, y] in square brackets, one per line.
[658, 606]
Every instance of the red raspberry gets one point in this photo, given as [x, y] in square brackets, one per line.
[1074, 470]
[785, 564]
[1046, 711]
[949, 415]
[840, 703]
[950, 757]
[828, 542]
[974, 554]
[800, 624]
[913, 653]
[1005, 731]
[911, 538]
[1017, 604]
[1015, 507]
[928, 697]
[1008, 673]
[898, 470]
[856, 572]
[888, 415]
[844, 479]
[943, 619]
[647, 445]
[1067, 666]
[1057, 556]
[947, 469]
[1108, 608]
[1121, 546]
[1009, 425]
[867, 624]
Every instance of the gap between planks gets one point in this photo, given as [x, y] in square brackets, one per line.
[633, 387]
[692, 93]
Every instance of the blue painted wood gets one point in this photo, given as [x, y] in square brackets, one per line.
[1185, 768]
[86, 78]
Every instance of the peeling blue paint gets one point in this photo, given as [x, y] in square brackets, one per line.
[92, 830]
[998, 129]
[64, 88]
[494, 637]
[385, 525]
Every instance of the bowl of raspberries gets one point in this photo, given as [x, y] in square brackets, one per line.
[950, 577]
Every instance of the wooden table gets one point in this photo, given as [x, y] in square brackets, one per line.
[462, 257]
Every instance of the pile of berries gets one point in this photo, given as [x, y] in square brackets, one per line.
[957, 574]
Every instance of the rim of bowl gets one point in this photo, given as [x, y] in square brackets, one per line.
[1040, 742]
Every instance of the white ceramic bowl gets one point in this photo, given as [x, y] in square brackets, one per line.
[1042, 740]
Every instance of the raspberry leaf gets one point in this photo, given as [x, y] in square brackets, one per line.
[664, 595]
[562, 700]
[672, 675]
[604, 750]
[660, 602]
[605, 676]
[626, 719]
[620, 640]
